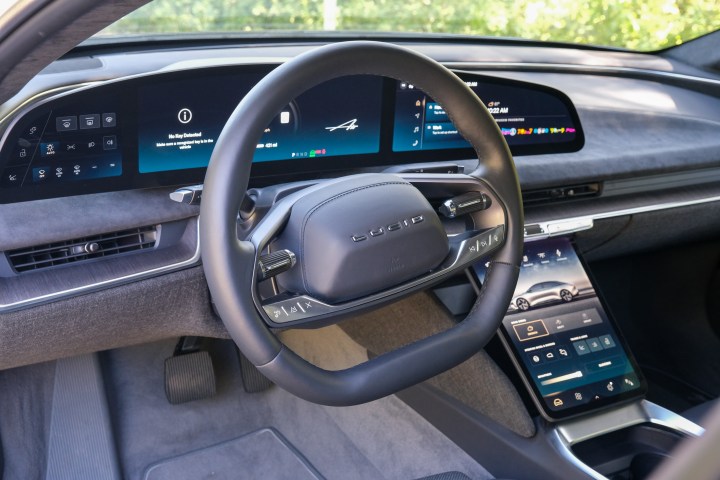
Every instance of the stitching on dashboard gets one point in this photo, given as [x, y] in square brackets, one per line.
[324, 203]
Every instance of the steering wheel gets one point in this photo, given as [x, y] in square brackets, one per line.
[360, 241]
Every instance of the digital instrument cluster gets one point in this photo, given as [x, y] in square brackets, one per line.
[160, 130]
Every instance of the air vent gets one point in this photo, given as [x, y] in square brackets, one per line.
[574, 192]
[78, 250]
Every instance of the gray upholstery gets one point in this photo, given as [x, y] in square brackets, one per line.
[172, 305]
[478, 382]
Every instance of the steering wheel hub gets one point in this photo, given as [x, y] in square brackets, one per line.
[359, 236]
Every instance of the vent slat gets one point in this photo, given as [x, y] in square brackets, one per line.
[564, 193]
[72, 251]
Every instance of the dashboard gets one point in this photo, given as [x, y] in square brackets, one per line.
[645, 138]
[160, 129]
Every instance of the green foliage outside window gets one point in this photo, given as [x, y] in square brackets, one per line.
[632, 24]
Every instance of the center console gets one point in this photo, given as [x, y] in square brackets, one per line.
[579, 372]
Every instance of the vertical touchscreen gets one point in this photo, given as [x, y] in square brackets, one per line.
[562, 338]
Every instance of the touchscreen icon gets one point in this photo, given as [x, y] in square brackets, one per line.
[558, 402]
[530, 330]
[184, 115]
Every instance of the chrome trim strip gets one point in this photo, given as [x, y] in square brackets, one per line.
[195, 259]
[569, 433]
[565, 226]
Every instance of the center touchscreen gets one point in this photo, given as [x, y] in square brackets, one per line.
[561, 338]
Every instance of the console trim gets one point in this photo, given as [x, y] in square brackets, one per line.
[568, 433]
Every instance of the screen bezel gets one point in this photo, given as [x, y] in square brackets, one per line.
[596, 405]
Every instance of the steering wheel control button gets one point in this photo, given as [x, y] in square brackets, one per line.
[417, 219]
[377, 232]
[467, 247]
[394, 226]
[359, 238]
[91, 121]
[109, 120]
[464, 204]
[295, 308]
[275, 263]
[66, 124]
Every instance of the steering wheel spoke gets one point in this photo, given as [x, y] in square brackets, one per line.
[288, 309]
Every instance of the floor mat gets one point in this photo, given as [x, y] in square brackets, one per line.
[382, 440]
[261, 454]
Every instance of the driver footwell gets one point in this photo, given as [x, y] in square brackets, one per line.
[46, 414]
[384, 439]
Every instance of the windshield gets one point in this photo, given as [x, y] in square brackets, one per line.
[632, 24]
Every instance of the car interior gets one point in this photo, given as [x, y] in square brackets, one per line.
[354, 255]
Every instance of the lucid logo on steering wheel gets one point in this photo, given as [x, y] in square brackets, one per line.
[393, 227]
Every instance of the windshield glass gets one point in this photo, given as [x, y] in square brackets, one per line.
[632, 24]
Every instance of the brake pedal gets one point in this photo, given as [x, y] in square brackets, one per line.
[189, 376]
[253, 381]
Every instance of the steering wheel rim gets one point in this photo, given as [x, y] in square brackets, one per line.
[229, 263]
